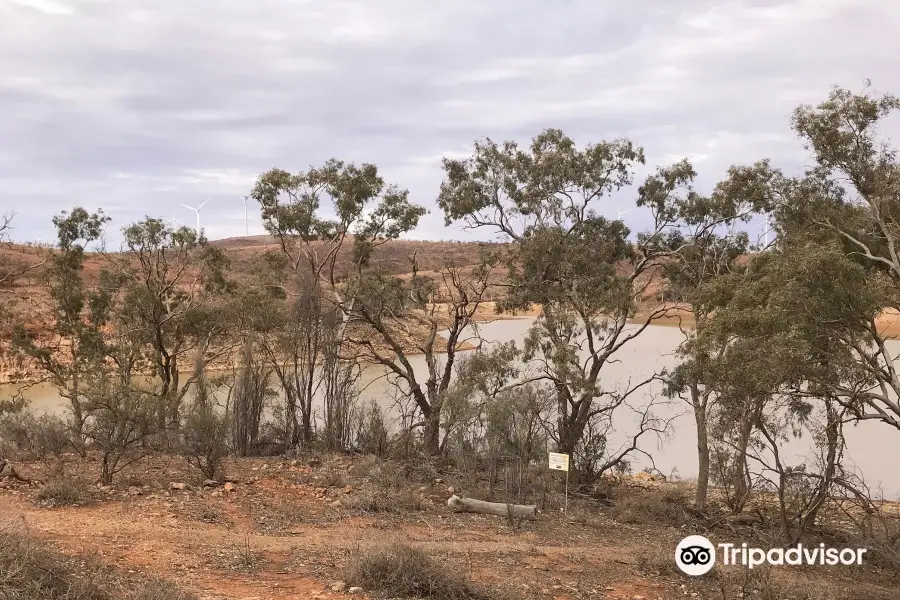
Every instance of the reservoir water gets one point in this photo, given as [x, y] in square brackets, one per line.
[871, 446]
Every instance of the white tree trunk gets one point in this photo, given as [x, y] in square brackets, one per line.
[517, 511]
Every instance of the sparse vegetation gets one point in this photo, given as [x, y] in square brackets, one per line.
[669, 506]
[63, 491]
[399, 571]
[30, 571]
[167, 350]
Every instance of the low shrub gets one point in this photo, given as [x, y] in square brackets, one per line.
[25, 436]
[29, 571]
[399, 571]
[205, 439]
[63, 492]
[669, 505]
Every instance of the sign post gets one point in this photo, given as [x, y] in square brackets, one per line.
[560, 462]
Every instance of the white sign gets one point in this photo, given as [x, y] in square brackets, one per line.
[559, 462]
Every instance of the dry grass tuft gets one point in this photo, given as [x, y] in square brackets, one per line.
[63, 492]
[398, 571]
[29, 571]
[669, 505]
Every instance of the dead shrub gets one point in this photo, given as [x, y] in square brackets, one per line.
[332, 477]
[159, 589]
[386, 501]
[399, 571]
[761, 584]
[657, 561]
[669, 505]
[365, 466]
[63, 491]
[29, 571]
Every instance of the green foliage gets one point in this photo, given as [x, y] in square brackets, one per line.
[78, 314]
[122, 422]
[292, 210]
[205, 436]
[173, 303]
[32, 437]
[371, 433]
[553, 184]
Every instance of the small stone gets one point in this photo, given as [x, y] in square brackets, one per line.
[177, 486]
[338, 586]
[337, 504]
[439, 480]
[423, 489]
[451, 490]
[355, 590]
[229, 487]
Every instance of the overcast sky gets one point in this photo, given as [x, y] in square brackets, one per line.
[109, 103]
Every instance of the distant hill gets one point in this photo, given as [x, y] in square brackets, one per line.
[393, 256]
[26, 300]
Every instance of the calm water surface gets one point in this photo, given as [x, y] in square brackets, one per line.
[871, 446]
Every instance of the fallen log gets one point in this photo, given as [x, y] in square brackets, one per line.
[500, 509]
[7, 470]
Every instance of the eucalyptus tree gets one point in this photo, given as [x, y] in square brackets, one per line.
[840, 221]
[327, 222]
[580, 268]
[705, 259]
[316, 214]
[171, 283]
[73, 348]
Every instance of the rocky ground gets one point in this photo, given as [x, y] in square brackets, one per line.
[284, 529]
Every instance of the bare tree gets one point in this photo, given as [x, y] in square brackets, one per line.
[430, 316]
[250, 395]
[10, 272]
[341, 373]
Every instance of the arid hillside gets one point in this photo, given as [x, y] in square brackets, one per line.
[26, 301]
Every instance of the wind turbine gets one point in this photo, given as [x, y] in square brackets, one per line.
[197, 210]
[622, 212]
[766, 230]
[246, 221]
[175, 221]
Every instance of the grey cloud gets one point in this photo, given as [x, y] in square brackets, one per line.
[109, 103]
